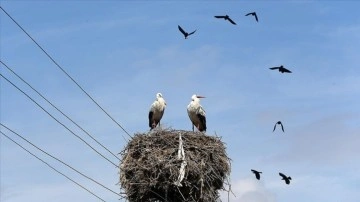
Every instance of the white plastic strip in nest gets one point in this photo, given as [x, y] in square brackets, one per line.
[181, 156]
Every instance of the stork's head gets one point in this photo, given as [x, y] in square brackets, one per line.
[196, 97]
[159, 95]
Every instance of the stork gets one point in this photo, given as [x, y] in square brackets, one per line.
[197, 113]
[156, 111]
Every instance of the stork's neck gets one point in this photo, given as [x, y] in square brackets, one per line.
[161, 100]
[196, 102]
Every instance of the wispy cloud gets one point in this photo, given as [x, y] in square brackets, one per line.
[249, 190]
[326, 141]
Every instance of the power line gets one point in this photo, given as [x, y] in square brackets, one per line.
[58, 109]
[68, 75]
[59, 160]
[58, 120]
[53, 167]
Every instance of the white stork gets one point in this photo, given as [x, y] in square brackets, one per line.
[156, 111]
[197, 113]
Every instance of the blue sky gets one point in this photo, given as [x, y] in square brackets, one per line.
[123, 53]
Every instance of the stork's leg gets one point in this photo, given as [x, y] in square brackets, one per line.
[193, 127]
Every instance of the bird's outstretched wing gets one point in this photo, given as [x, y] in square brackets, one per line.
[254, 171]
[181, 30]
[232, 22]
[192, 32]
[220, 16]
[248, 14]
[282, 127]
[274, 68]
[256, 18]
[283, 176]
[274, 127]
[286, 70]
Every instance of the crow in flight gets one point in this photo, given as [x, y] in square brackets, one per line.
[257, 174]
[282, 127]
[185, 33]
[254, 14]
[281, 69]
[226, 17]
[286, 178]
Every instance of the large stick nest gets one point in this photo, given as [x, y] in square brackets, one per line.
[150, 167]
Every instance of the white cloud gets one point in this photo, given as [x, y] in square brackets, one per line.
[249, 190]
[325, 139]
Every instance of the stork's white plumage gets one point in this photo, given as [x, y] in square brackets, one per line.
[197, 113]
[156, 111]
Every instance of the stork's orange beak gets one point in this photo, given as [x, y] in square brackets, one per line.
[199, 96]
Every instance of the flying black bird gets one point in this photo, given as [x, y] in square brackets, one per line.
[282, 127]
[185, 33]
[282, 69]
[286, 178]
[257, 174]
[254, 14]
[226, 17]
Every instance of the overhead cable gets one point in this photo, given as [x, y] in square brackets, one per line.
[53, 167]
[57, 159]
[58, 121]
[63, 70]
[11, 70]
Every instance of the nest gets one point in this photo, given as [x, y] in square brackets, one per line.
[154, 167]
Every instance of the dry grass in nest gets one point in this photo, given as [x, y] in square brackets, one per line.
[150, 167]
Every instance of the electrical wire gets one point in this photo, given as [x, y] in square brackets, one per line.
[72, 168]
[52, 167]
[67, 74]
[11, 70]
[58, 120]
